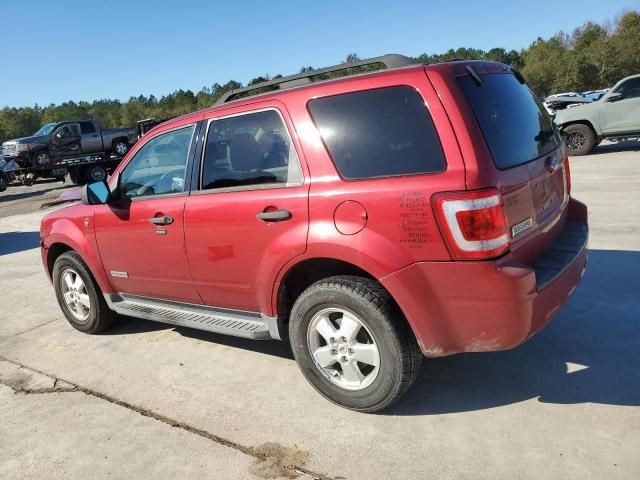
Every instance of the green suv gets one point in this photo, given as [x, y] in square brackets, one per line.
[615, 116]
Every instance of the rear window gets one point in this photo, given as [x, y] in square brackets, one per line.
[516, 126]
[378, 133]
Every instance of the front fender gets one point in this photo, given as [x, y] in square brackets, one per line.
[567, 117]
[73, 233]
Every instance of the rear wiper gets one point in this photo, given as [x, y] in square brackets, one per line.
[544, 135]
[476, 77]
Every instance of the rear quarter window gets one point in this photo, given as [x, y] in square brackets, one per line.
[515, 125]
[378, 133]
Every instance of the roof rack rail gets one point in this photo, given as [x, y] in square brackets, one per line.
[390, 61]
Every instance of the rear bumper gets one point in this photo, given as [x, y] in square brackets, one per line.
[494, 305]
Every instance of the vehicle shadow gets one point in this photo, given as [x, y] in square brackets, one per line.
[588, 353]
[130, 325]
[32, 193]
[626, 146]
[14, 242]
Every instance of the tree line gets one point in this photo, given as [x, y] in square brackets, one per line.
[593, 56]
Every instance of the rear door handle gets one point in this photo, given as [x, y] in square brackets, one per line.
[275, 216]
[166, 220]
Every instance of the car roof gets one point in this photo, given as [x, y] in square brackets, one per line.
[453, 68]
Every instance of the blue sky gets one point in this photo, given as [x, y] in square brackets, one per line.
[83, 50]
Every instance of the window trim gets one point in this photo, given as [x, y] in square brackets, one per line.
[241, 188]
[381, 177]
[188, 164]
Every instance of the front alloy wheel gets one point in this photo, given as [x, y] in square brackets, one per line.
[79, 295]
[75, 295]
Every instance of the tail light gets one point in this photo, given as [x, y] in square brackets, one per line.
[567, 173]
[473, 223]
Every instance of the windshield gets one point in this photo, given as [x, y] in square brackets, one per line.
[516, 126]
[45, 130]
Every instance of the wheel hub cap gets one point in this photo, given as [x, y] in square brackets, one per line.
[343, 349]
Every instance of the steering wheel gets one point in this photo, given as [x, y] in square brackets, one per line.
[172, 181]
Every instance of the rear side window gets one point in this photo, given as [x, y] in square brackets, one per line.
[249, 150]
[87, 127]
[516, 126]
[378, 133]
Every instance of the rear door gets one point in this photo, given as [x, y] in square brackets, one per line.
[90, 138]
[249, 214]
[526, 158]
[622, 116]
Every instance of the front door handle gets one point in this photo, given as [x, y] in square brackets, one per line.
[275, 216]
[165, 220]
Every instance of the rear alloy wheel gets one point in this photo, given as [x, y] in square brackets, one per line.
[353, 344]
[120, 148]
[580, 139]
[79, 296]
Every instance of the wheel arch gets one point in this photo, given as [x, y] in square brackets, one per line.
[57, 244]
[585, 122]
[299, 276]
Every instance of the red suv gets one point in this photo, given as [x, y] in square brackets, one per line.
[371, 220]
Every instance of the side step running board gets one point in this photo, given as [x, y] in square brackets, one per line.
[228, 322]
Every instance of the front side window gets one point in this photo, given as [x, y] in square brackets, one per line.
[159, 167]
[630, 88]
[68, 131]
[248, 150]
[379, 133]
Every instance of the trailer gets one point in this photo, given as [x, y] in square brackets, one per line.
[80, 168]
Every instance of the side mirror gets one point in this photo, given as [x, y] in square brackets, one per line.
[614, 97]
[97, 193]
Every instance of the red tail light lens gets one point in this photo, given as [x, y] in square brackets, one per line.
[567, 173]
[473, 224]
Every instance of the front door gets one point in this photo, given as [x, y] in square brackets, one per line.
[250, 214]
[623, 115]
[65, 140]
[141, 236]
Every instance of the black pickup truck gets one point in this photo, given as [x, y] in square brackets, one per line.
[80, 148]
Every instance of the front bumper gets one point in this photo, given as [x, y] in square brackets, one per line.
[491, 305]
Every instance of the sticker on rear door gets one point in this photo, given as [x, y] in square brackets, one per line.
[518, 228]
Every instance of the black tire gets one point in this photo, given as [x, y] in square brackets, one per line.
[3, 182]
[76, 175]
[399, 354]
[580, 139]
[119, 147]
[95, 173]
[99, 316]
